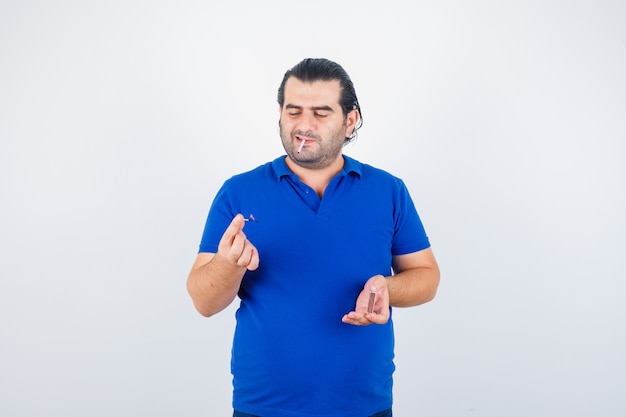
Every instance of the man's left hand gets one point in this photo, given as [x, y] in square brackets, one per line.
[360, 316]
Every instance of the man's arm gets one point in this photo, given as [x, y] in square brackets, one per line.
[214, 279]
[415, 279]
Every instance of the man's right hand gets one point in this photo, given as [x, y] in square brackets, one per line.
[236, 248]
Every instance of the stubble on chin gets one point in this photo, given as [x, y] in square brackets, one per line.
[314, 155]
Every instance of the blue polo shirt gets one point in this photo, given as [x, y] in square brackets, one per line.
[292, 355]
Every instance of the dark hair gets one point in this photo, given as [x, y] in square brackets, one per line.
[321, 69]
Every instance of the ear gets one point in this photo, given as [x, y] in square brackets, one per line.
[351, 120]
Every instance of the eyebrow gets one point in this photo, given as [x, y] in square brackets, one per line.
[324, 108]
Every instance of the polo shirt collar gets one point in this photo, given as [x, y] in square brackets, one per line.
[350, 166]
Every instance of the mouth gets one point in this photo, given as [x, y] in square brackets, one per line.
[303, 140]
[302, 137]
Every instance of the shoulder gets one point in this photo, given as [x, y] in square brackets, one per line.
[373, 175]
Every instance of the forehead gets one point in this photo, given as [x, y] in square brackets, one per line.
[298, 92]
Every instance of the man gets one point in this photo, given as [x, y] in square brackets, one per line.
[324, 234]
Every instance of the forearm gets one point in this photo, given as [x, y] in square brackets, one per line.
[214, 285]
[413, 286]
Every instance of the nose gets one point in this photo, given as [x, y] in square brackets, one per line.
[306, 123]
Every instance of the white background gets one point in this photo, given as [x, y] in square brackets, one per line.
[119, 120]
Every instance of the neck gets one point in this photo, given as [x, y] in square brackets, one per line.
[319, 178]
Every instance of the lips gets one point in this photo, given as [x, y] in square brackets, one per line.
[300, 138]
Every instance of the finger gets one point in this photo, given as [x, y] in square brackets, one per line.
[349, 320]
[356, 319]
[245, 256]
[254, 260]
[226, 242]
[377, 318]
[234, 249]
[235, 227]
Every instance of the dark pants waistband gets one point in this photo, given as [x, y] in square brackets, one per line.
[386, 413]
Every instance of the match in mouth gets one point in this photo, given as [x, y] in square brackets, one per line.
[301, 144]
